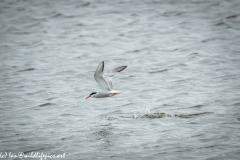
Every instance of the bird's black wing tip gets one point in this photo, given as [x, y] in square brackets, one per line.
[103, 66]
[123, 67]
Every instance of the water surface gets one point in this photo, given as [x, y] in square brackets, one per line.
[181, 90]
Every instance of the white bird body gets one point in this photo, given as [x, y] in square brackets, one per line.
[105, 94]
[104, 80]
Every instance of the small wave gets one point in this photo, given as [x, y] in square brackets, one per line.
[222, 24]
[153, 116]
[102, 133]
[197, 106]
[29, 69]
[125, 105]
[237, 104]
[194, 54]
[45, 104]
[164, 70]
[134, 51]
[67, 114]
[232, 16]
[191, 115]
[83, 5]
[57, 15]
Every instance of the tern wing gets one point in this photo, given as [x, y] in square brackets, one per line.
[110, 74]
[99, 78]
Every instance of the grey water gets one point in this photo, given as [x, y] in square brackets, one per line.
[180, 92]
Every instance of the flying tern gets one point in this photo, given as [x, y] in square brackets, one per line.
[104, 80]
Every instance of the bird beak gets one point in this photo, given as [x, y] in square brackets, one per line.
[88, 97]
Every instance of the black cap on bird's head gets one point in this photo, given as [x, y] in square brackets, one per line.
[91, 94]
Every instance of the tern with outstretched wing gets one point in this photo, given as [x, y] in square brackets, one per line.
[104, 80]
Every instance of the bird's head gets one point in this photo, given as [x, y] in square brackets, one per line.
[92, 94]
